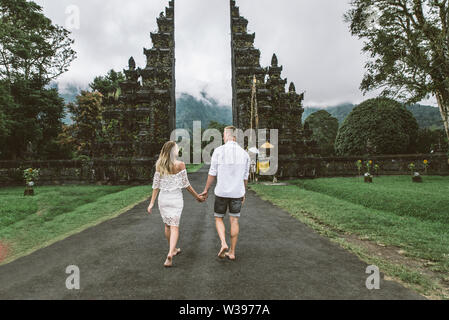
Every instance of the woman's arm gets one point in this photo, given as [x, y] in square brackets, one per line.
[153, 200]
[195, 194]
[156, 188]
[186, 183]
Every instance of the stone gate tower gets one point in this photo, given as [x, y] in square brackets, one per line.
[146, 113]
[278, 108]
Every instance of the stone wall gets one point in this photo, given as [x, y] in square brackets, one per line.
[112, 172]
[314, 167]
[139, 172]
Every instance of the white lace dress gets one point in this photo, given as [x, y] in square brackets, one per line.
[171, 201]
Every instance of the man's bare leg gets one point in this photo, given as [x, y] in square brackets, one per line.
[222, 234]
[235, 230]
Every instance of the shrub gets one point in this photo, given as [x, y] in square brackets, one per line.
[325, 128]
[378, 126]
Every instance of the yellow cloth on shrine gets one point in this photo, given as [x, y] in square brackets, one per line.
[264, 166]
[267, 145]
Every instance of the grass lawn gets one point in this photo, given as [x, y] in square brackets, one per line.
[55, 212]
[393, 212]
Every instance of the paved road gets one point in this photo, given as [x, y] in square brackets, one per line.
[278, 258]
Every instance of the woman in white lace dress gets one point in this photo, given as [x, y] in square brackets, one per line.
[169, 180]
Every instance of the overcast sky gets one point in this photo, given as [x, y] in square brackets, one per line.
[309, 37]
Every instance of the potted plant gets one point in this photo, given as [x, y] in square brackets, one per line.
[369, 164]
[417, 177]
[368, 175]
[426, 165]
[368, 178]
[30, 175]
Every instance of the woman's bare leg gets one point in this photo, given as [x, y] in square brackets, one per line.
[167, 236]
[174, 235]
[167, 233]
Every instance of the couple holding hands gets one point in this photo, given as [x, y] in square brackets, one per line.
[230, 166]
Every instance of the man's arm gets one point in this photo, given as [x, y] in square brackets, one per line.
[246, 175]
[246, 188]
[210, 181]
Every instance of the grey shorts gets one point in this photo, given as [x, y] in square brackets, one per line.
[222, 205]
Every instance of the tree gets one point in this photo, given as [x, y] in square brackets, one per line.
[31, 47]
[109, 85]
[309, 144]
[408, 42]
[378, 126]
[4, 127]
[87, 117]
[6, 104]
[67, 142]
[49, 120]
[33, 51]
[34, 116]
[431, 140]
[325, 129]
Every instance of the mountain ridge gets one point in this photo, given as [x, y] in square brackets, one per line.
[427, 116]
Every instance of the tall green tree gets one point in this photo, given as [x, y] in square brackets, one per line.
[87, 118]
[33, 52]
[325, 129]
[7, 106]
[408, 42]
[32, 115]
[109, 85]
[32, 48]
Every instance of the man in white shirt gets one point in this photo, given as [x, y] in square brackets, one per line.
[230, 166]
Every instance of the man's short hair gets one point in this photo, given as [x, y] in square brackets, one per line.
[231, 131]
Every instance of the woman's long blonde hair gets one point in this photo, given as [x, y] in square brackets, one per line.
[165, 165]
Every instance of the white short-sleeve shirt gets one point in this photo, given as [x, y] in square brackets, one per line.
[230, 164]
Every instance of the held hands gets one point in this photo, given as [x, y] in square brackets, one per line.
[203, 197]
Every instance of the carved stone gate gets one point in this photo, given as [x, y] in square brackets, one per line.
[146, 113]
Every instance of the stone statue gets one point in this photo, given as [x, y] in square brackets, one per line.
[132, 64]
[292, 87]
[274, 60]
